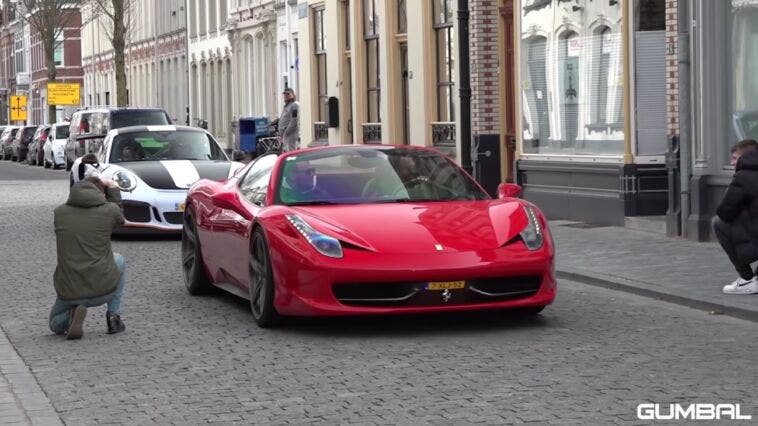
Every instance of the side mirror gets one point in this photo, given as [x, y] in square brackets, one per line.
[508, 190]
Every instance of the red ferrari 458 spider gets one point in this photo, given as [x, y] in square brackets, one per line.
[348, 230]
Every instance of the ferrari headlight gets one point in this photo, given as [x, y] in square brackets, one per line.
[532, 235]
[324, 244]
[125, 180]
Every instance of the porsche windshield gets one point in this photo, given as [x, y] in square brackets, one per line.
[370, 175]
[166, 145]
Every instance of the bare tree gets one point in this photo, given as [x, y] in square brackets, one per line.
[48, 18]
[116, 15]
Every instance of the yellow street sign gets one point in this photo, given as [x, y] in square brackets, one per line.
[18, 108]
[63, 94]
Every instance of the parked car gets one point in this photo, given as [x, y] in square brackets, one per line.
[6, 139]
[369, 230]
[35, 153]
[21, 142]
[55, 148]
[93, 124]
[161, 163]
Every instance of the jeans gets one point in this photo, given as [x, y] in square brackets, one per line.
[725, 234]
[60, 315]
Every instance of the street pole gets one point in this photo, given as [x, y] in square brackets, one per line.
[465, 85]
[685, 152]
[158, 100]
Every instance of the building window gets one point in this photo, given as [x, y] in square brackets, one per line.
[59, 50]
[19, 53]
[402, 17]
[348, 26]
[445, 58]
[373, 81]
[320, 43]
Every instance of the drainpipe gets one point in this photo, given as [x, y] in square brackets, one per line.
[465, 89]
[685, 142]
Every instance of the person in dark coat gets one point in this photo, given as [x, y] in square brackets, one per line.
[88, 273]
[736, 223]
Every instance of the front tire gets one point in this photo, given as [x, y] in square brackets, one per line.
[195, 276]
[261, 282]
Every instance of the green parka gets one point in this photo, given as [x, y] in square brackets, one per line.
[83, 228]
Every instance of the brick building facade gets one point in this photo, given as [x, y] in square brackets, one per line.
[68, 59]
[672, 70]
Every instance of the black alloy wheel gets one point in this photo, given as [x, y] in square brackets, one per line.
[195, 276]
[261, 282]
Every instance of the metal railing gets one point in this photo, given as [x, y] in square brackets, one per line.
[320, 132]
[443, 137]
[372, 133]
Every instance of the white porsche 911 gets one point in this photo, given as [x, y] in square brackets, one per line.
[155, 167]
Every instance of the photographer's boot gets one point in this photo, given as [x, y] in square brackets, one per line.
[115, 325]
[76, 323]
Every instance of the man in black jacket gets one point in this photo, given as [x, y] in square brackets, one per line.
[736, 223]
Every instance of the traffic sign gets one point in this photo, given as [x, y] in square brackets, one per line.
[18, 108]
[63, 94]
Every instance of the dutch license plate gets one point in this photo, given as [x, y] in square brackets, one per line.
[180, 207]
[446, 285]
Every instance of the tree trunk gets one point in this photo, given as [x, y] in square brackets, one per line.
[52, 72]
[119, 45]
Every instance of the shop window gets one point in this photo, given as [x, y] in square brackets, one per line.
[602, 46]
[744, 68]
[536, 112]
[571, 79]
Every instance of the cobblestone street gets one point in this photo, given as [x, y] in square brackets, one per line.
[590, 358]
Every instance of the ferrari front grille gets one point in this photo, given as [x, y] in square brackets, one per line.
[411, 294]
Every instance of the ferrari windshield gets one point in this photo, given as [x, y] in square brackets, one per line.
[373, 175]
[164, 145]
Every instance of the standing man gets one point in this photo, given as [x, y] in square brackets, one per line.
[88, 273]
[736, 223]
[289, 129]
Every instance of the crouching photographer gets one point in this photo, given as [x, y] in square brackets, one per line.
[88, 273]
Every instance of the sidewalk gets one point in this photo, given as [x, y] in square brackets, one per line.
[22, 401]
[671, 269]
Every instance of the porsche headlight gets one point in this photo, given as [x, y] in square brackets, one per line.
[125, 180]
[324, 244]
[532, 235]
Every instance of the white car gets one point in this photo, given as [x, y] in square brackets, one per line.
[54, 150]
[159, 164]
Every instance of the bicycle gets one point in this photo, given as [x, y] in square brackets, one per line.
[270, 144]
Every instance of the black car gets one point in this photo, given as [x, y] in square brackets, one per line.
[6, 140]
[21, 142]
[97, 122]
[36, 154]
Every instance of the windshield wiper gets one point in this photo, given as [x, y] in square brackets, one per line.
[313, 203]
[416, 200]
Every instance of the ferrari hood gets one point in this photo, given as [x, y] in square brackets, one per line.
[415, 228]
[177, 174]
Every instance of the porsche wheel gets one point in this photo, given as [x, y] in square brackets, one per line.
[195, 276]
[261, 282]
